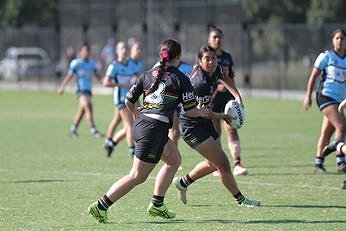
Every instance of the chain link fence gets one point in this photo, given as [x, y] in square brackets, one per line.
[265, 57]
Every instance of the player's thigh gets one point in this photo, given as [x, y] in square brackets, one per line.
[126, 116]
[212, 151]
[336, 119]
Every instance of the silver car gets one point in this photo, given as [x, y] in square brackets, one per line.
[20, 63]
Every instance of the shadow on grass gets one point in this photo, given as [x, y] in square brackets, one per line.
[182, 221]
[294, 221]
[223, 221]
[309, 206]
[32, 181]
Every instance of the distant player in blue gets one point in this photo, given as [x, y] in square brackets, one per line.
[120, 75]
[185, 68]
[84, 69]
[330, 67]
[135, 59]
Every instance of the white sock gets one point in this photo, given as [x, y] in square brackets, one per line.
[339, 146]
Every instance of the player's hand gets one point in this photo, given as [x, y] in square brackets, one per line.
[227, 119]
[60, 91]
[307, 103]
[342, 106]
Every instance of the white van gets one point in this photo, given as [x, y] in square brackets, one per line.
[20, 63]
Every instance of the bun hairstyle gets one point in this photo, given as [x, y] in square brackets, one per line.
[169, 49]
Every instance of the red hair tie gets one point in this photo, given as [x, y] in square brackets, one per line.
[165, 55]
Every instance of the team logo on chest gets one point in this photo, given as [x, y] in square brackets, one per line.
[156, 96]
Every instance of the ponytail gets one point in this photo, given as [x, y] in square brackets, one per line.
[161, 69]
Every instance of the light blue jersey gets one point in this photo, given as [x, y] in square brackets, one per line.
[185, 68]
[84, 70]
[121, 73]
[138, 64]
[333, 69]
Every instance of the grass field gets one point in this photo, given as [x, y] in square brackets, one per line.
[48, 180]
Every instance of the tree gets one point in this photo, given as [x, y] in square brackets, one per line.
[321, 11]
[276, 12]
[17, 13]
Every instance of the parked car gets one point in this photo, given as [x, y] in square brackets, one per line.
[20, 63]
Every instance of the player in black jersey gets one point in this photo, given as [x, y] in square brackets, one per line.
[200, 134]
[222, 97]
[163, 88]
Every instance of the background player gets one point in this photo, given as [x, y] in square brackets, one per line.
[83, 68]
[224, 59]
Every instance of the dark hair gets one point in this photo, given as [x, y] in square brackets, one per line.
[169, 49]
[338, 31]
[85, 44]
[203, 50]
[200, 53]
[214, 28]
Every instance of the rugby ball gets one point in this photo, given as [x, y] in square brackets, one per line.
[236, 113]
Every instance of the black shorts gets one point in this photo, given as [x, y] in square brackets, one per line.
[324, 101]
[196, 130]
[221, 100]
[151, 136]
[82, 92]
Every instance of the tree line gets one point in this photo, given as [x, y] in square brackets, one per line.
[17, 13]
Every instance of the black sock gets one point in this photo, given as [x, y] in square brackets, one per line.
[239, 197]
[237, 161]
[132, 150]
[319, 161]
[186, 181]
[104, 203]
[157, 200]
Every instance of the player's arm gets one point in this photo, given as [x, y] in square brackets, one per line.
[132, 107]
[230, 85]
[64, 83]
[98, 77]
[315, 73]
[133, 95]
[109, 82]
[342, 106]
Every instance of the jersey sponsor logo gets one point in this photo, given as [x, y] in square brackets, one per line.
[151, 105]
[188, 95]
[156, 96]
[203, 99]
